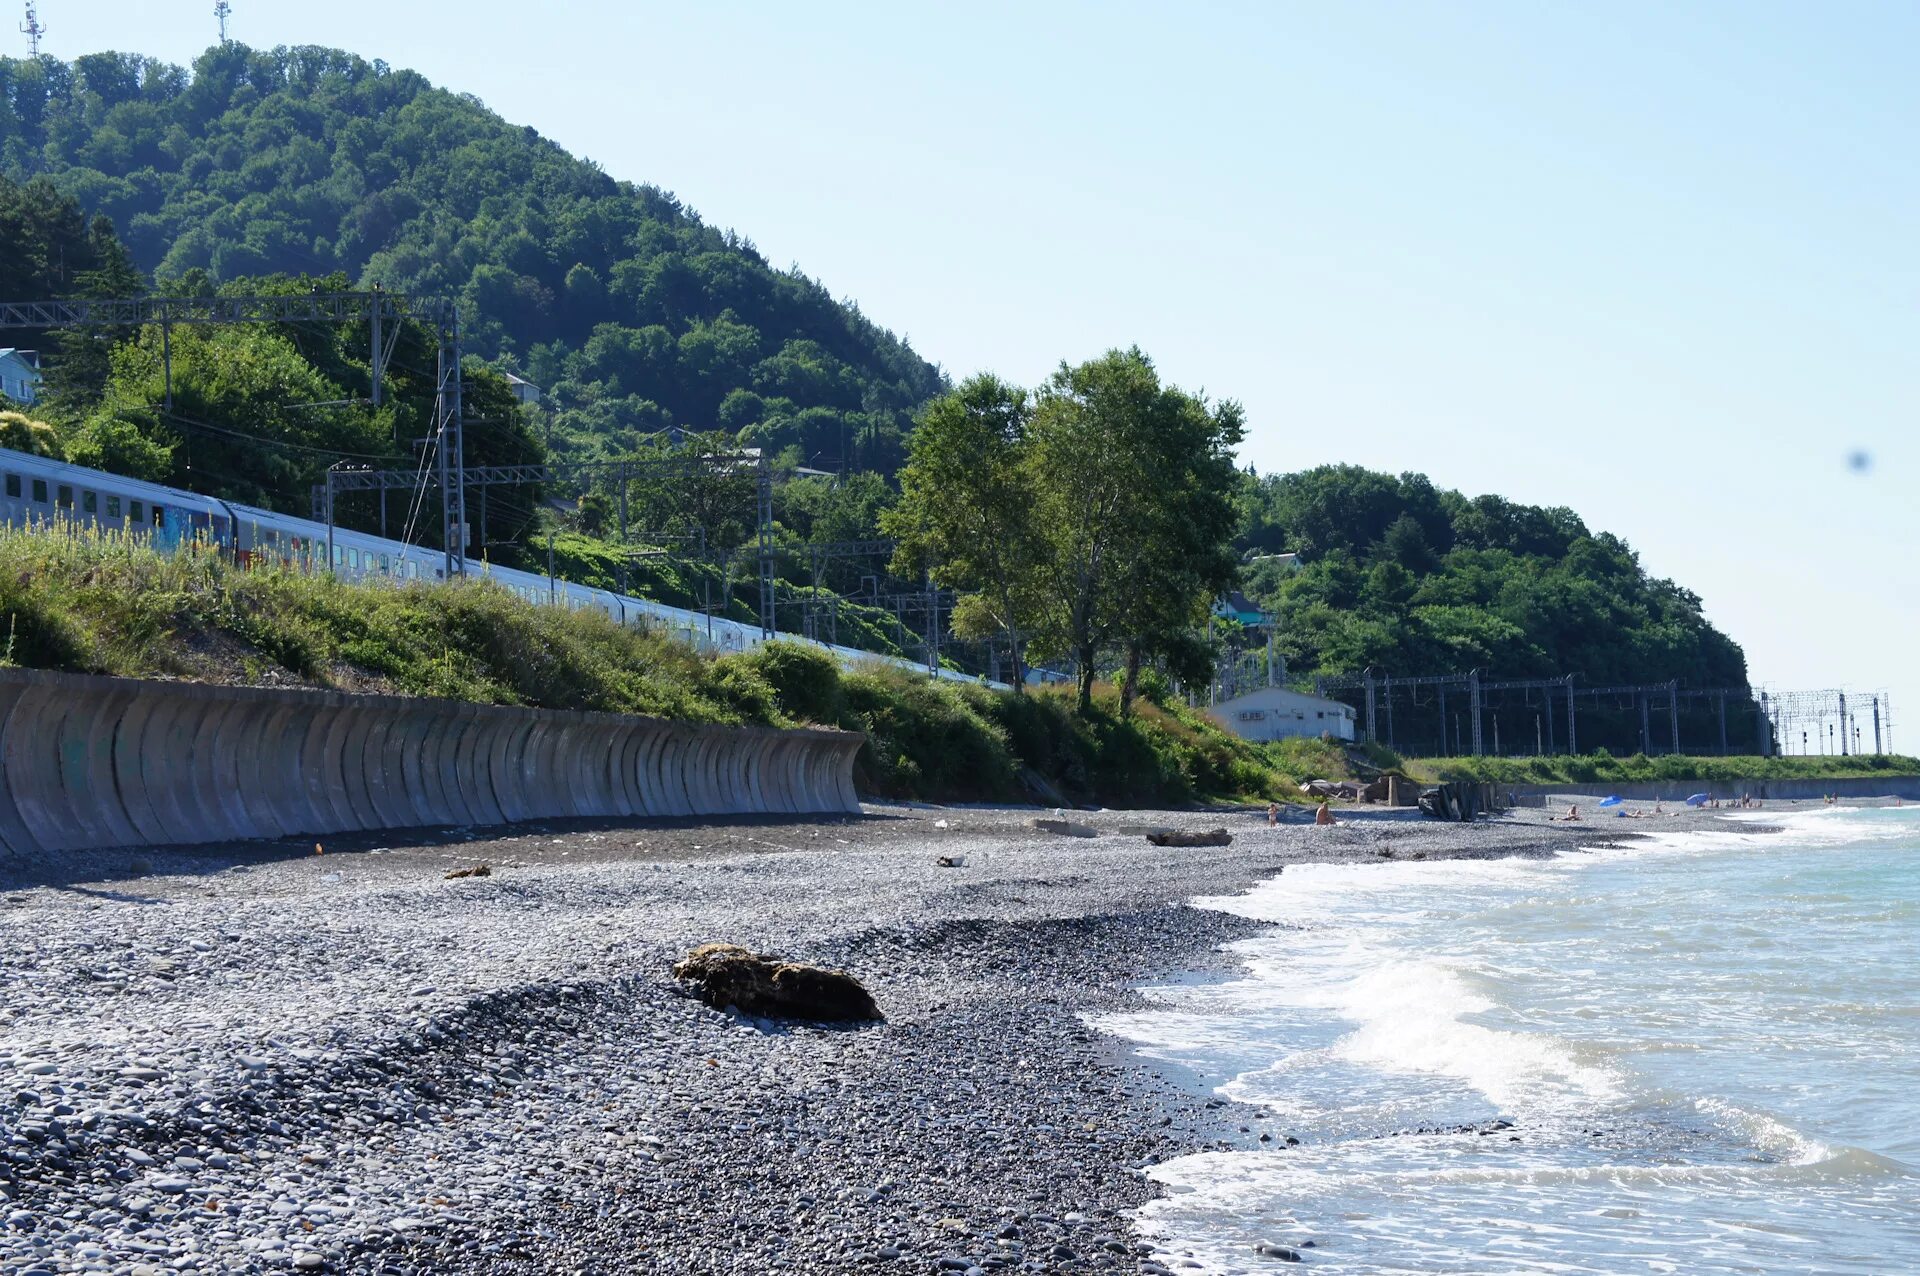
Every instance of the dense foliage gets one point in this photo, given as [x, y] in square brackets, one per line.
[1603, 768]
[950, 742]
[99, 603]
[302, 168]
[1399, 575]
[1090, 520]
[635, 315]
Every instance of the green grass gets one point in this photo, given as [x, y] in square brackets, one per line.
[1603, 768]
[949, 741]
[100, 603]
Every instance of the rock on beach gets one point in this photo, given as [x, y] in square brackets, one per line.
[339, 1063]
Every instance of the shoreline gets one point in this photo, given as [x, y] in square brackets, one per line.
[275, 1060]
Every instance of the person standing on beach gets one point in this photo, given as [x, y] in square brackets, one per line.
[1273, 814]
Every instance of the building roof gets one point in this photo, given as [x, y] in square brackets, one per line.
[1238, 604]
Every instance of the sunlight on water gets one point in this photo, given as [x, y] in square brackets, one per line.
[1707, 1045]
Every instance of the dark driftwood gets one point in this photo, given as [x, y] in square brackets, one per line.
[1212, 837]
[725, 975]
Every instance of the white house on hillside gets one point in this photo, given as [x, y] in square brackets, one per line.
[1275, 713]
[19, 375]
[524, 390]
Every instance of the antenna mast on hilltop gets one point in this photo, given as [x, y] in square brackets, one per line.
[32, 29]
[222, 10]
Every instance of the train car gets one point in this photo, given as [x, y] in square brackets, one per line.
[38, 492]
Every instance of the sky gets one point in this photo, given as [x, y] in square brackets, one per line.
[1657, 263]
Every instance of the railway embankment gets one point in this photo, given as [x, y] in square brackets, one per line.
[103, 605]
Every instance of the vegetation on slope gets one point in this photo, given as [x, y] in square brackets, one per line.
[1605, 769]
[632, 312]
[311, 167]
[1399, 575]
[945, 741]
[95, 603]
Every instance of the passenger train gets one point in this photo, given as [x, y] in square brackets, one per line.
[39, 492]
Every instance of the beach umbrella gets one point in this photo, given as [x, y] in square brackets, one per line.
[1610, 801]
[1698, 799]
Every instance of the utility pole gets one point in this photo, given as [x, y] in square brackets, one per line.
[221, 10]
[1877, 750]
[1573, 744]
[32, 29]
[1473, 695]
[1372, 735]
[1843, 724]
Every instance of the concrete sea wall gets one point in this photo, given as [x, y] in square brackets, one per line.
[90, 762]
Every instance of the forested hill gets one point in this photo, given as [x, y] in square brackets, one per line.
[633, 313]
[1411, 579]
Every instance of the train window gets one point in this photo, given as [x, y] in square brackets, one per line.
[137, 512]
[40, 491]
[159, 516]
[13, 486]
[63, 497]
[339, 556]
[386, 563]
[113, 506]
[89, 503]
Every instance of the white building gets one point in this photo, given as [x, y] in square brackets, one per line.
[1275, 713]
[524, 390]
[19, 375]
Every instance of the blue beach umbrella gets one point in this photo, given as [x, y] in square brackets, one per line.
[1698, 799]
[1610, 801]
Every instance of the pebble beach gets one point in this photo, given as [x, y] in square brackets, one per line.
[331, 1057]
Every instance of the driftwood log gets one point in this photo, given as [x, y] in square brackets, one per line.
[725, 975]
[1175, 837]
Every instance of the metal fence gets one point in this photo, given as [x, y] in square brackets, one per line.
[1471, 713]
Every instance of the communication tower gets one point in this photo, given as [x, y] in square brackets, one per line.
[222, 10]
[32, 29]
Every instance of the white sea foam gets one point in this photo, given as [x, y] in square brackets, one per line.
[1705, 1041]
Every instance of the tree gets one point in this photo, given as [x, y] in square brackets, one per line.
[1136, 484]
[314, 160]
[967, 509]
[21, 433]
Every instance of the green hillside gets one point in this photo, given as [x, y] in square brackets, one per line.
[1408, 578]
[309, 167]
[632, 312]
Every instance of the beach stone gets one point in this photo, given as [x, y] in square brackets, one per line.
[725, 975]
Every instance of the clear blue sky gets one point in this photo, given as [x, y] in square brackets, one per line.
[1659, 263]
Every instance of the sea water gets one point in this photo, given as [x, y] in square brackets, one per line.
[1707, 1046]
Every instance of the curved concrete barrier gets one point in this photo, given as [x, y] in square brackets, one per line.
[89, 762]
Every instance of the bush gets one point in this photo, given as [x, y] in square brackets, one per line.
[924, 739]
[806, 679]
[100, 603]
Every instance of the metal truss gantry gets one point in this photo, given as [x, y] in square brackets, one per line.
[384, 312]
